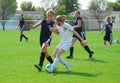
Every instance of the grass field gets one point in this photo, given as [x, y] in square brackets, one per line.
[17, 60]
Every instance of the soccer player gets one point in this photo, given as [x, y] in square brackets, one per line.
[78, 28]
[108, 33]
[45, 38]
[22, 27]
[64, 30]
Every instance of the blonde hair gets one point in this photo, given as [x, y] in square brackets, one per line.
[50, 11]
[77, 12]
[61, 18]
[108, 17]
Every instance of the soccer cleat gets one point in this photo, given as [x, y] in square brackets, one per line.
[38, 67]
[27, 40]
[69, 57]
[91, 54]
[68, 67]
[106, 49]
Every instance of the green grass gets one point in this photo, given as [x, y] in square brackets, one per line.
[17, 60]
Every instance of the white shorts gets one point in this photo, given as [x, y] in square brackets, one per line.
[64, 45]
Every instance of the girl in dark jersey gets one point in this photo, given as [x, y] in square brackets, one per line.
[22, 26]
[45, 38]
[78, 27]
[108, 33]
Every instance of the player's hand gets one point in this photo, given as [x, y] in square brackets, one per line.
[31, 26]
[17, 27]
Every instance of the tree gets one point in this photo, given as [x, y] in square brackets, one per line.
[115, 5]
[60, 9]
[74, 5]
[48, 4]
[7, 9]
[27, 6]
[38, 8]
[99, 9]
[118, 1]
[69, 5]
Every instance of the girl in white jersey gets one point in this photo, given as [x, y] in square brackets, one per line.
[63, 30]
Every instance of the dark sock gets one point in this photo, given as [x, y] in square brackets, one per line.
[71, 51]
[20, 37]
[24, 36]
[50, 59]
[42, 58]
[87, 49]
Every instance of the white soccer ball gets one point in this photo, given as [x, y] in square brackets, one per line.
[49, 68]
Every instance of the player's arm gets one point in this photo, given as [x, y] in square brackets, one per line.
[54, 29]
[111, 28]
[78, 25]
[18, 25]
[35, 25]
[103, 31]
[25, 24]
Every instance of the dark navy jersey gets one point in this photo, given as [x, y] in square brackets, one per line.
[107, 28]
[21, 22]
[45, 29]
[76, 23]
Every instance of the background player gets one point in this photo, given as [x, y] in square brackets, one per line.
[22, 27]
[108, 33]
[78, 28]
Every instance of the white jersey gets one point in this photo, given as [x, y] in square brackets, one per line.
[64, 32]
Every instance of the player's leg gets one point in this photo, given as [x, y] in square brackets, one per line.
[105, 46]
[113, 42]
[86, 47]
[49, 58]
[25, 37]
[72, 48]
[110, 40]
[65, 63]
[57, 55]
[21, 32]
[42, 56]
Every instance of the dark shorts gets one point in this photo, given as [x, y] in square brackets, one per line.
[22, 27]
[82, 34]
[108, 37]
[43, 40]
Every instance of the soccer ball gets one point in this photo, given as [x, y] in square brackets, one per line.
[49, 68]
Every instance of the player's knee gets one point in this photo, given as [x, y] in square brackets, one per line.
[84, 44]
[43, 49]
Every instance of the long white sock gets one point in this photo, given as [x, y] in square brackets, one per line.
[62, 61]
[56, 60]
[106, 47]
[114, 42]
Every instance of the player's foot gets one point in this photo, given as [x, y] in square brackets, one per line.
[106, 49]
[69, 57]
[91, 54]
[118, 41]
[68, 67]
[27, 40]
[38, 67]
